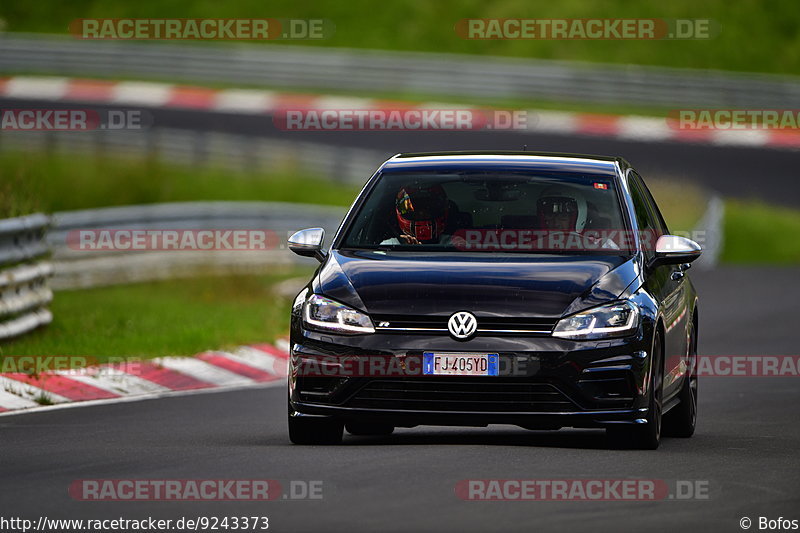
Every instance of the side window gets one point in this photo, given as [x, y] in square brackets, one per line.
[646, 219]
[659, 219]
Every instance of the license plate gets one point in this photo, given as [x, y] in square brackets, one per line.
[460, 364]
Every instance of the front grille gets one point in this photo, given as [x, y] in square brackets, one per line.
[461, 394]
[486, 325]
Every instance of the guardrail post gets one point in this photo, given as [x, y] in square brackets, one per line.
[24, 271]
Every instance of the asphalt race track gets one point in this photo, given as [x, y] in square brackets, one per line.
[745, 450]
[733, 171]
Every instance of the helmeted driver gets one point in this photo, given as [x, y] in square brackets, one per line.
[421, 214]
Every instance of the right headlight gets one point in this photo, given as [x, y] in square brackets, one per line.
[611, 320]
[324, 314]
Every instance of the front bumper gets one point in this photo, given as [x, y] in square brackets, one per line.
[545, 382]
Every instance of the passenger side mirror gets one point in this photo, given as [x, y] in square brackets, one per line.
[674, 250]
[308, 243]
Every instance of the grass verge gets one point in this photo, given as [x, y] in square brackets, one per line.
[51, 182]
[681, 202]
[177, 317]
[758, 233]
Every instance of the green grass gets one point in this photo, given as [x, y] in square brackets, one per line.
[757, 233]
[47, 182]
[681, 202]
[177, 317]
[753, 36]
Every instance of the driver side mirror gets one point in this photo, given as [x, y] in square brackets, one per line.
[308, 243]
[674, 250]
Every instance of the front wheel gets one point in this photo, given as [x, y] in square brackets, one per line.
[681, 420]
[645, 436]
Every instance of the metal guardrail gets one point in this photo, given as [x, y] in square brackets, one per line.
[24, 273]
[396, 72]
[76, 268]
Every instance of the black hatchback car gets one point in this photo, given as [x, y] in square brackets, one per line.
[475, 288]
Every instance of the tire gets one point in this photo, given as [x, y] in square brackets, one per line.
[315, 430]
[369, 428]
[681, 420]
[645, 436]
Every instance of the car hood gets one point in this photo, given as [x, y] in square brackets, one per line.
[502, 285]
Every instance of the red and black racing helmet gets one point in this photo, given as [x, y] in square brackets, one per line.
[422, 212]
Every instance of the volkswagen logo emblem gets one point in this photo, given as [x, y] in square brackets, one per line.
[462, 325]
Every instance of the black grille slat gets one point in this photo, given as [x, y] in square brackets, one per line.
[541, 393]
[459, 395]
[485, 385]
[446, 395]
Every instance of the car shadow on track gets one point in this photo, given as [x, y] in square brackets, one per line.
[578, 439]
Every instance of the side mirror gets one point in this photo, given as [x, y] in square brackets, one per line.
[674, 250]
[308, 243]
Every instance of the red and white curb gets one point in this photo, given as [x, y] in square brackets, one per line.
[252, 101]
[247, 366]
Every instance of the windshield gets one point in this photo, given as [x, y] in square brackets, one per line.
[555, 212]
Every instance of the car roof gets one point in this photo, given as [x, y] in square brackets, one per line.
[505, 160]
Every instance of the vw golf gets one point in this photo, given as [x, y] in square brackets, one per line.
[475, 288]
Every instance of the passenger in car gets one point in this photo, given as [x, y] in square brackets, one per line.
[563, 209]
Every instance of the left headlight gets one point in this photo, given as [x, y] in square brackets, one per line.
[325, 314]
[611, 320]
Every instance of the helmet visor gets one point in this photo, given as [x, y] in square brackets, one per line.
[420, 205]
